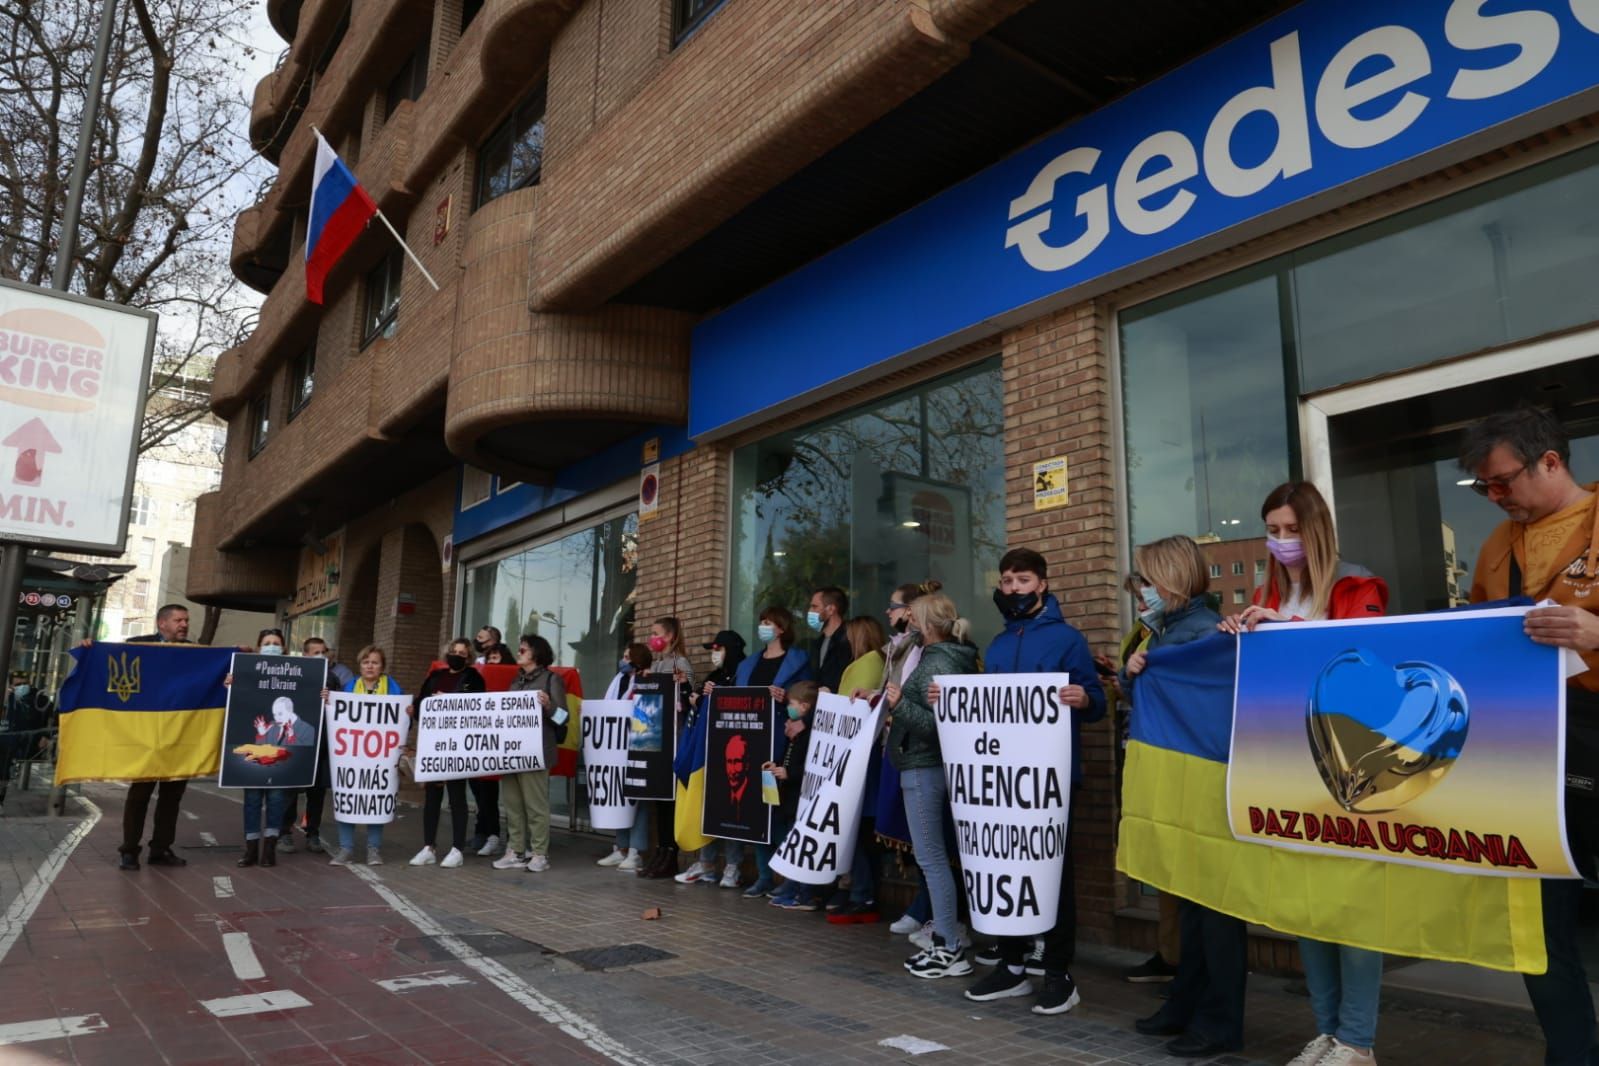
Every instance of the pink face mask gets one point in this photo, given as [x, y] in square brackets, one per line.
[657, 644]
[1289, 551]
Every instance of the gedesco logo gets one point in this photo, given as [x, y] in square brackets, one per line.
[50, 360]
[1147, 195]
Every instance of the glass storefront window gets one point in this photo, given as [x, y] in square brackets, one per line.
[322, 622]
[908, 488]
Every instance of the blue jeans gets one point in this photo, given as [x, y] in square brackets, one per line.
[863, 869]
[1560, 995]
[926, 796]
[764, 852]
[637, 836]
[374, 835]
[275, 800]
[1345, 985]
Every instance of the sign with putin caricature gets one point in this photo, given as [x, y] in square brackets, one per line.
[73, 374]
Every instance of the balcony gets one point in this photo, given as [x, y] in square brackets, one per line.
[251, 579]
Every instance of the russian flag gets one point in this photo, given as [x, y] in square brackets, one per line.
[340, 209]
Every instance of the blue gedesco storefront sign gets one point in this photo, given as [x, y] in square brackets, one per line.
[1329, 101]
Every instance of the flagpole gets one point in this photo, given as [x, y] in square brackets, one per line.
[390, 227]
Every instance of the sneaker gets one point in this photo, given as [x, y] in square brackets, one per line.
[343, 857]
[632, 861]
[1315, 1052]
[1344, 1055]
[987, 956]
[905, 925]
[538, 864]
[509, 861]
[855, 914]
[729, 875]
[1034, 960]
[758, 890]
[490, 846]
[453, 859]
[838, 901]
[425, 857]
[1059, 995]
[314, 845]
[286, 844]
[1151, 971]
[923, 937]
[780, 900]
[475, 842]
[374, 857]
[615, 858]
[940, 960]
[695, 871]
[1001, 984]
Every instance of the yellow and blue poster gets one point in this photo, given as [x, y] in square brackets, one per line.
[1430, 740]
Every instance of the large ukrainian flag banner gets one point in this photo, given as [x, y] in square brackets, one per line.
[689, 768]
[142, 712]
[1175, 836]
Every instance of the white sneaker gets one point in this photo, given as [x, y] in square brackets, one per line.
[730, 875]
[374, 856]
[509, 861]
[905, 925]
[425, 857]
[1342, 1054]
[538, 864]
[615, 858]
[1314, 1052]
[923, 938]
[695, 871]
[632, 862]
[453, 859]
[490, 846]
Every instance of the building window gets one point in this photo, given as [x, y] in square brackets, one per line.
[141, 594]
[260, 424]
[1238, 568]
[1260, 568]
[409, 81]
[906, 488]
[143, 510]
[476, 486]
[514, 154]
[1215, 570]
[687, 15]
[1238, 597]
[302, 378]
[382, 299]
[145, 559]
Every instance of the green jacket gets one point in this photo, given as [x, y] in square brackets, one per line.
[913, 738]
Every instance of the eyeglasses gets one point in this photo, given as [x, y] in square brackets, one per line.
[1482, 486]
[892, 606]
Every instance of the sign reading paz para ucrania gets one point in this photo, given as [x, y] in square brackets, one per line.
[365, 737]
[1007, 743]
[73, 373]
[821, 845]
[607, 726]
[479, 734]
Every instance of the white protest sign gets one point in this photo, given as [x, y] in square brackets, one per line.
[366, 735]
[605, 734]
[478, 734]
[1007, 743]
[821, 845]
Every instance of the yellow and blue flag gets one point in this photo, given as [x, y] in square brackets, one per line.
[142, 712]
[689, 768]
[1175, 836]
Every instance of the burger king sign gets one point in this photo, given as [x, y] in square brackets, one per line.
[73, 374]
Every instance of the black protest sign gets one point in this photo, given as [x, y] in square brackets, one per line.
[652, 739]
[272, 731]
[739, 740]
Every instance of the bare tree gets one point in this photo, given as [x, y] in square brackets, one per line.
[168, 172]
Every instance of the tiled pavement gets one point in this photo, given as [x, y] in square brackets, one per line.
[729, 981]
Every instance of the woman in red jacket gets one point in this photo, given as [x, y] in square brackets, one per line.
[1305, 580]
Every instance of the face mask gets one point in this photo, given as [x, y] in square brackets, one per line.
[657, 644]
[627, 666]
[718, 657]
[271, 649]
[902, 625]
[1154, 608]
[1015, 605]
[814, 620]
[794, 713]
[1290, 551]
[455, 662]
[23, 690]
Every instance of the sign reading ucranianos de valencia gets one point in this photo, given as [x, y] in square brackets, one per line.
[73, 373]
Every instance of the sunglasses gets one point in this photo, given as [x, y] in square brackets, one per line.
[1482, 486]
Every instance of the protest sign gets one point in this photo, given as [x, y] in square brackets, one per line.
[739, 740]
[272, 729]
[1430, 740]
[821, 844]
[651, 739]
[479, 734]
[606, 726]
[365, 737]
[1007, 743]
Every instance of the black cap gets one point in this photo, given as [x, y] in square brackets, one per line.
[725, 639]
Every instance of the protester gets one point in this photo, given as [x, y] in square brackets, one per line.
[858, 905]
[339, 676]
[1305, 579]
[456, 677]
[527, 795]
[789, 772]
[779, 665]
[338, 673]
[486, 790]
[727, 652]
[260, 846]
[487, 637]
[913, 745]
[172, 627]
[627, 854]
[1548, 549]
[671, 657]
[1037, 638]
[825, 617]
[499, 655]
[372, 681]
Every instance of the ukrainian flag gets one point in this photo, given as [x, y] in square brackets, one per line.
[142, 712]
[689, 768]
[1175, 837]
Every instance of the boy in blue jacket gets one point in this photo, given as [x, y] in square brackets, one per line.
[1038, 639]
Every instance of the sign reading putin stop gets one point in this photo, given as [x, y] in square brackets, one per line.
[73, 374]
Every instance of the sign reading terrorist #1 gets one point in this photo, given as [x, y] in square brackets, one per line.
[1432, 740]
[272, 733]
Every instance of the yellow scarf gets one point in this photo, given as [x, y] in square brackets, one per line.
[382, 688]
[1550, 544]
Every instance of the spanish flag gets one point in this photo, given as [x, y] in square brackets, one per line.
[689, 767]
[1175, 837]
[142, 712]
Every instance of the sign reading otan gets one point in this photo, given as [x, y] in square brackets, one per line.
[73, 373]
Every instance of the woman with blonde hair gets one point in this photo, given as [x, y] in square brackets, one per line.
[373, 680]
[1171, 578]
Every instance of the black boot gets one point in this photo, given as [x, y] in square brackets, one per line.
[666, 865]
[269, 851]
[252, 852]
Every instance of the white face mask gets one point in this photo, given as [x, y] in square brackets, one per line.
[271, 649]
[718, 657]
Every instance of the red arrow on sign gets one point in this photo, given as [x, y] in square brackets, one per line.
[32, 441]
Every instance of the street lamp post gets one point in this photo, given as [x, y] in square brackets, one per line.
[560, 627]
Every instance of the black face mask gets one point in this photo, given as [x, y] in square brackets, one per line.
[1015, 605]
[455, 662]
[902, 625]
